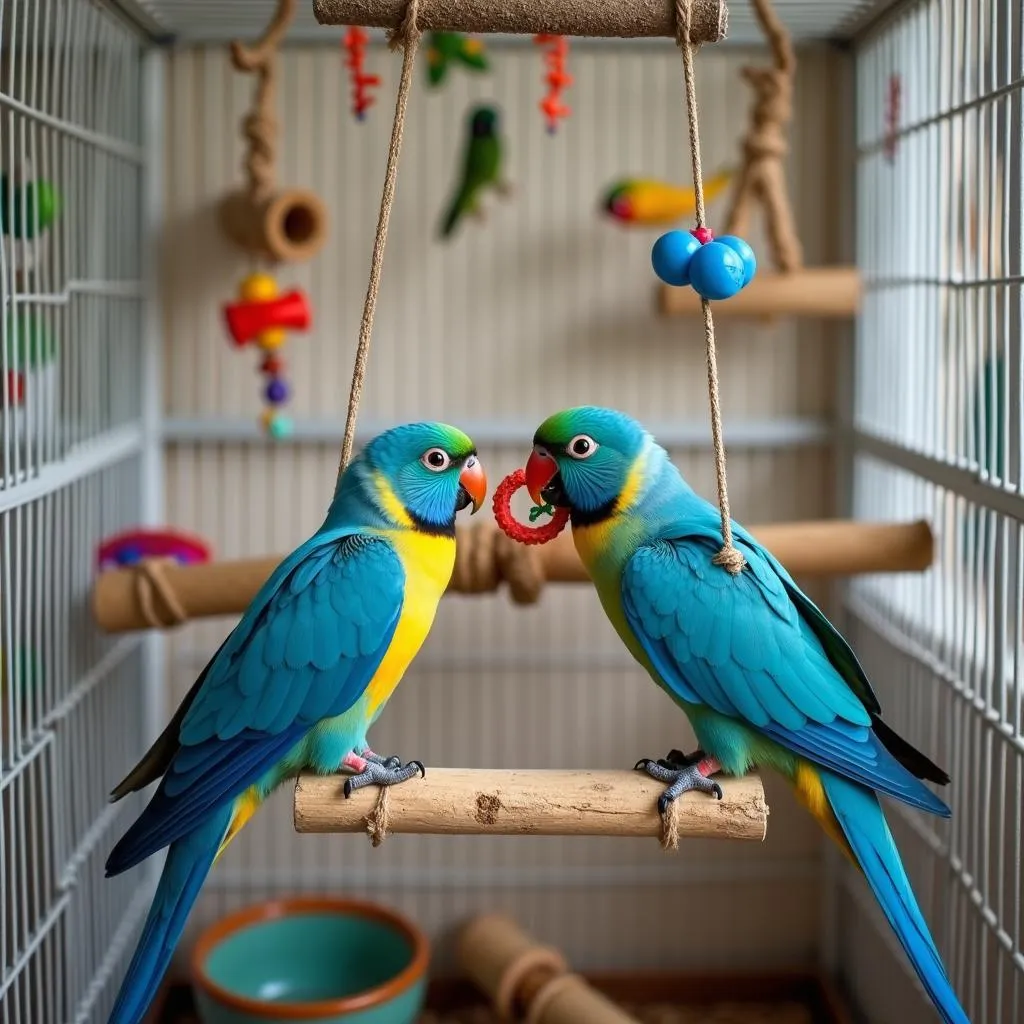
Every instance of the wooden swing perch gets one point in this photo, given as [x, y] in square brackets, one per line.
[158, 594]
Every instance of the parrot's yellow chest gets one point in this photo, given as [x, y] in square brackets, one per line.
[428, 560]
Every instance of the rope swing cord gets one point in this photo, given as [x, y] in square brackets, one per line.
[729, 557]
[407, 35]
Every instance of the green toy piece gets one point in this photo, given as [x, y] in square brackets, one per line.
[29, 344]
[38, 202]
[481, 168]
[447, 48]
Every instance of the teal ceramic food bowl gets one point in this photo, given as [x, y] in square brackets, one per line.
[334, 961]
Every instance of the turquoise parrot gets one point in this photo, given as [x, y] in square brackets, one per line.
[762, 675]
[302, 677]
[481, 167]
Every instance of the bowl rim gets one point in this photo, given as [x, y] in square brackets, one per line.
[273, 910]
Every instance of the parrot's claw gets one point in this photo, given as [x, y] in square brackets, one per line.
[505, 189]
[388, 762]
[682, 773]
[378, 773]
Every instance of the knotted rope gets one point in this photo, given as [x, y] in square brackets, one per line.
[730, 558]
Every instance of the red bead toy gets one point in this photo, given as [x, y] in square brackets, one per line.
[557, 78]
[518, 531]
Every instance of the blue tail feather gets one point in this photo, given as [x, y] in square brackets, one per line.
[864, 825]
[189, 860]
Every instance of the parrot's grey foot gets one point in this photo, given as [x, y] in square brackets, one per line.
[682, 773]
[505, 189]
[388, 762]
[378, 774]
[479, 214]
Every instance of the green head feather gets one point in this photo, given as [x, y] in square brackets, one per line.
[594, 449]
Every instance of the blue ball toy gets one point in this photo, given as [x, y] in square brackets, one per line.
[671, 257]
[745, 253]
[716, 271]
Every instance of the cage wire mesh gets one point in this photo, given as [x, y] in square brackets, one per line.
[937, 427]
[71, 465]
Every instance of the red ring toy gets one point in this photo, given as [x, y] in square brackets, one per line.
[511, 526]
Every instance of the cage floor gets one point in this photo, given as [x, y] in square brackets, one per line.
[662, 1013]
[651, 999]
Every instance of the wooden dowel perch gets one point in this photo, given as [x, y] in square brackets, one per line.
[280, 225]
[622, 19]
[526, 981]
[460, 801]
[824, 292]
[163, 594]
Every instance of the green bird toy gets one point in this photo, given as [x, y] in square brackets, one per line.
[447, 48]
[28, 208]
[481, 168]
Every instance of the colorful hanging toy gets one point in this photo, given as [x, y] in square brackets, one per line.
[265, 316]
[131, 546]
[522, 534]
[354, 44]
[557, 78]
[892, 118]
[645, 202]
[714, 268]
[27, 209]
[447, 48]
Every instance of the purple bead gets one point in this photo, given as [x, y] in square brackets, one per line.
[277, 391]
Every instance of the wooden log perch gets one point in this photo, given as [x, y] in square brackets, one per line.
[824, 292]
[518, 802]
[527, 981]
[155, 594]
[621, 19]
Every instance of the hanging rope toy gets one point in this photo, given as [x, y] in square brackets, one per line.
[354, 44]
[557, 78]
[517, 531]
[892, 118]
[715, 269]
[264, 316]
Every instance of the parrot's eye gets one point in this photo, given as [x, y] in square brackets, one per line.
[582, 446]
[436, 459]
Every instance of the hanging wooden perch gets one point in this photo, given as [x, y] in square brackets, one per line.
[518, 802]
[792, 289]
[159, 594]
[620, 19]
[285, 225]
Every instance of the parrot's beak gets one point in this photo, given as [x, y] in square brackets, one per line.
[472, 485]
[542, 479]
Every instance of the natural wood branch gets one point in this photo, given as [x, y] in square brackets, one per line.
[623, 19]
[163, 594]
[460, 801]
[822, 292]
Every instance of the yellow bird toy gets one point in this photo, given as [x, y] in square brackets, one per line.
[646, 202]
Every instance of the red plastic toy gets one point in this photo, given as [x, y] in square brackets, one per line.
[15, 388]
[354, 44]
[557, 78]
[248, 320]
[132, 546]
[892, 117]
[518, 531]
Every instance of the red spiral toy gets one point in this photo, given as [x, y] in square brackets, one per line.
[520, 532]
[557, 78]
[355, 44]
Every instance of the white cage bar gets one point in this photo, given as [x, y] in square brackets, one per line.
[937, 433]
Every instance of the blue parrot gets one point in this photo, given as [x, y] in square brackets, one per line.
[302, 677]
[762, 675]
